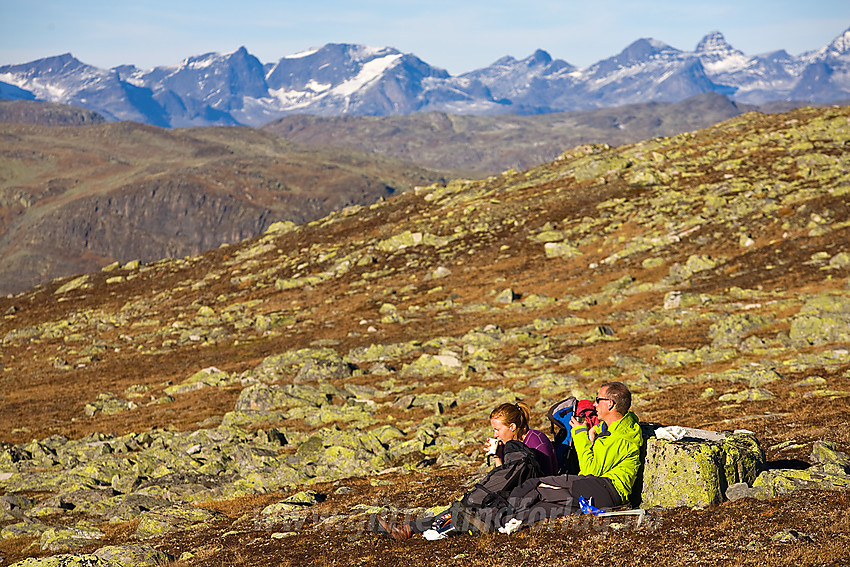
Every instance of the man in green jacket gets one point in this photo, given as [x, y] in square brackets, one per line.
[608, 456]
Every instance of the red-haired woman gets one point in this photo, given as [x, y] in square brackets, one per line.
[510, 425]
[510, 421]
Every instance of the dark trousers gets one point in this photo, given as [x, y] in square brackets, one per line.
[554, 496]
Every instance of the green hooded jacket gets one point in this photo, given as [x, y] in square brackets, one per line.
[615, 453]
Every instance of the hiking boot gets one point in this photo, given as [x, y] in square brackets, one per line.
[399, 533]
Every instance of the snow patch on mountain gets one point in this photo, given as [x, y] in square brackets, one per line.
[42, 90]
[302, 54]
[370, 71]
[318, 87]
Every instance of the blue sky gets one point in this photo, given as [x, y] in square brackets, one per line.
[456, 35]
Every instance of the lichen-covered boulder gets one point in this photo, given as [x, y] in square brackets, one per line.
[431, 365]
[693, 265]
[379, 352]
[134, 555]
[827, 459]
[730, 330]
[23, 529]
[330, 368]
[131, 506]
[748, 395]
[823, 319]
[506, 296]
[65, 538]
[81, 282]
[164, 520]
[773, 483]
[211, 376]
[753, 375]
[265, 397]
[695, 471]
[561, 250]
[409, 239]
[108, 404]
[600, 165]
[15, 502]
[260, 397]
[288, 364]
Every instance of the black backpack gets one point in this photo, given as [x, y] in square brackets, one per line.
[480, 508]
[519, 464]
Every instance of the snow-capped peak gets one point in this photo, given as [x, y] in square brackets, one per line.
[837, 47]
[718, 56]
[715, 45]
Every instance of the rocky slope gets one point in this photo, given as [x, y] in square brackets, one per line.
[252, 405]
[75, 199]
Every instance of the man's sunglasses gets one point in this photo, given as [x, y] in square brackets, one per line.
[598, 399]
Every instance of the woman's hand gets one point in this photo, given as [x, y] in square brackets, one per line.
[493, 447]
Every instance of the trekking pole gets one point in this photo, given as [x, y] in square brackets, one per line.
[639, 512]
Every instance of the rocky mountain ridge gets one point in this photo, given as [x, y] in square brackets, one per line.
[255, 404]
[484, 145]
[342, 79]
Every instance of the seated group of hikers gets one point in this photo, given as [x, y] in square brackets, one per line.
[534, 479]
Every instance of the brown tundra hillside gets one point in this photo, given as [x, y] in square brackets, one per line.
[253, 405]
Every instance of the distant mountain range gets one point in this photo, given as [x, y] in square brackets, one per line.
[344, 79]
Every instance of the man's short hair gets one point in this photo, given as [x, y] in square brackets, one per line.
[620, 394]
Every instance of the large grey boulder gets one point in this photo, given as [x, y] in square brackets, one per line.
[693, 467]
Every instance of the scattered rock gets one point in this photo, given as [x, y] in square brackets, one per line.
[164, 520]
[790, 536]
[828, 460]
[823, 319]
[65, 538]
[135, 555]
[749, 395]
[771, 483]
[81, 282]
[108, 404]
